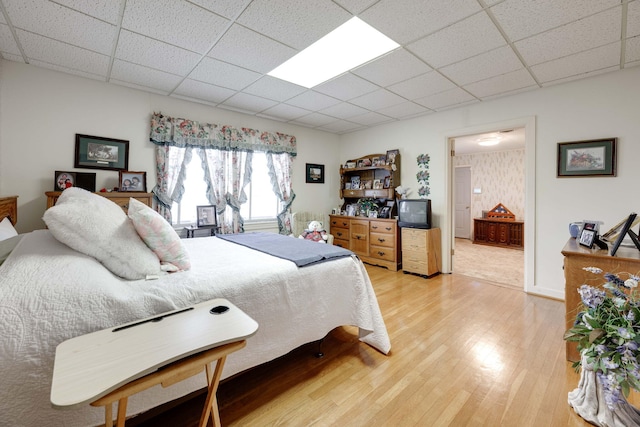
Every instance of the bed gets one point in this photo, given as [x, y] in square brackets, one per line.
[50, 292]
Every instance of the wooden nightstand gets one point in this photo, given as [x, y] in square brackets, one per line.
[421, 253]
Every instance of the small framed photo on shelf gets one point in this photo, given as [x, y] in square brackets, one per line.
[367, 184]
[355, 182]
[347, 186]
[377, 184]
[350, 165]
[391, 156]
[206, 216]
[351, 210]
[132, 181]
[384, 212]
[315, 174]
[64, 180]
[366, 162]
[375, 161]
[360, 163]
[373, 214]
[587, 237]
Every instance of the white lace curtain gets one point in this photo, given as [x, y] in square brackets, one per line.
[226, 154]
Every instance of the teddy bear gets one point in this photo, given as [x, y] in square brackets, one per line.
[315, 232]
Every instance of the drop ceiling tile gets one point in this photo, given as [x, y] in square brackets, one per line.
[220, 73]
[391, 68]
[406, 109]
[633, 50]
[294, 25]
[57, 53]
[520, 19]
[313, 101]
[198, 28]
[2, 20]
[355, 7]
[138, 87]
[7, 42]
[581, 76]
[580, 63]
[421, 86]
[508, 82]
[493, 63]
[370, 119]
[66, 70]
[61, 23]
[272, 88]
[286, 112]
[381, 98]
[248, 49]
[144, 76]
[414, 19]
[446, 99]
[107, 10]
[467, 38]
[346, 86]
[341, 126]
[343, 110]
[12, 57]
[247, 102]
[203, 91]
[578, 36]
[228, 9]
[633, 19]
[314, 119]
[152, 53]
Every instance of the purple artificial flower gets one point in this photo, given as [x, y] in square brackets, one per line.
[591, 297]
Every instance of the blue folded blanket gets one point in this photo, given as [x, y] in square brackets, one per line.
[301, 252]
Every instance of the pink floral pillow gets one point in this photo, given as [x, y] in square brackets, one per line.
[159, 235]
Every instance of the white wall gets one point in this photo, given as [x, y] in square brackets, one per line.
[603, 106]
[42, 111]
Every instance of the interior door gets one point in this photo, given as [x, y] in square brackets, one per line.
[463, 202]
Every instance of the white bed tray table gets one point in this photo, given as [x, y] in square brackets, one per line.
[112, 364]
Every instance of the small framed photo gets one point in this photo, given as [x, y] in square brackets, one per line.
[132, 181]
[587, 237]
[355, 182]
[595, 157]
[373, 214]
[367, 184]
[360, 163]
[391, 156]
[64, 180]
[384, 212]
[377, 184]
[350, 165]
[351, 210]
[375, 161]
[347, 186]
[315, 174]
[206, 216]
[387, 182]
[95, 152]
[366, 162]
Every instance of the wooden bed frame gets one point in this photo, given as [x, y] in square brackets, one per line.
[9, 208]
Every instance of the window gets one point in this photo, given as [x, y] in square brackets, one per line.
[262, 203]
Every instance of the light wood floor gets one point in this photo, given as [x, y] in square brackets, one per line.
[464, 353]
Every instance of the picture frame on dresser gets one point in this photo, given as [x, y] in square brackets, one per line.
[132, 181]
[96, 152]
[587, 237]
[63, 180]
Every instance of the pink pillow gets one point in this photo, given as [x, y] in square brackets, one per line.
[159, 236]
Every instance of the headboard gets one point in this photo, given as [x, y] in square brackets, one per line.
[9, 208]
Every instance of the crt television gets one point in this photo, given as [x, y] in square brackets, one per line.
[414, 213]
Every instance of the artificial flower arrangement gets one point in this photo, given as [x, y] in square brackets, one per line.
[607, 331]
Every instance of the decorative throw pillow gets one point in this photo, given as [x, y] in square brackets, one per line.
[95, 226]
[6, 229]
[158, 234]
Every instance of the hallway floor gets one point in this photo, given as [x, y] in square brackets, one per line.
[500, 265]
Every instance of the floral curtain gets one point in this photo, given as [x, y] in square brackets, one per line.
[225, 152]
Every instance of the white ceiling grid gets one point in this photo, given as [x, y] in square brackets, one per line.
[217, 52]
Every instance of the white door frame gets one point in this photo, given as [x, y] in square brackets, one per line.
[529, 124]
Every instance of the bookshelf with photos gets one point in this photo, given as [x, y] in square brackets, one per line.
[374, 176]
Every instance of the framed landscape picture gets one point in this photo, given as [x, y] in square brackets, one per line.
[595, 157]
[315, 173]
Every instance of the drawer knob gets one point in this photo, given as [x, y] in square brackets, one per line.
[388, 228]
[381, 240]
[375, 227]
[339, 234]
[380, 253]
[344, 224]
[358, 237]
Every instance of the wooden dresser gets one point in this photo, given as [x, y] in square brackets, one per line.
[119, 198]
[375, 240]
[421, 253]
[498, 232]
[9, 208]
[576, 257]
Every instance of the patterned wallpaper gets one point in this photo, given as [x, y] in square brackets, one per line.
[500, 176]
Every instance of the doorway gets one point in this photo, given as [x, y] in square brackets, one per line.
[527, 270]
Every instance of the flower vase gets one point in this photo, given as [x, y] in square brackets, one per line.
[588, 401]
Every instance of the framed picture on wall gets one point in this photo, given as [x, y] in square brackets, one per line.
[596, 157]
[315, 174]
[96, 152]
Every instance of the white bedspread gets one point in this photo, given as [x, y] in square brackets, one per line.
[50, 293]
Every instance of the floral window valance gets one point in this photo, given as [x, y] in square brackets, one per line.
[183, 132]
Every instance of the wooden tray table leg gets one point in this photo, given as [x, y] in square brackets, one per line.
[211, 403]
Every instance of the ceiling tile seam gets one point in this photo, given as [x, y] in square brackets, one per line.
[112, 57]
[13, 32]
[512, 45]
[213, 44]
[623, 33]
[578, 52]
[83, 13]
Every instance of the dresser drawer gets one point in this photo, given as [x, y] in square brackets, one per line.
[383, 227]
[380, 239]
[414, 240]
[343, 243]
[339, 233]
[339, 222]
[382, 252]
[412, 266]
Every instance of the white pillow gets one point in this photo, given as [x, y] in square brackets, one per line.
[158, 234]
[95, 226]
[6, 229]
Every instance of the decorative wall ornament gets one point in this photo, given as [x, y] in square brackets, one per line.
[423, 176]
